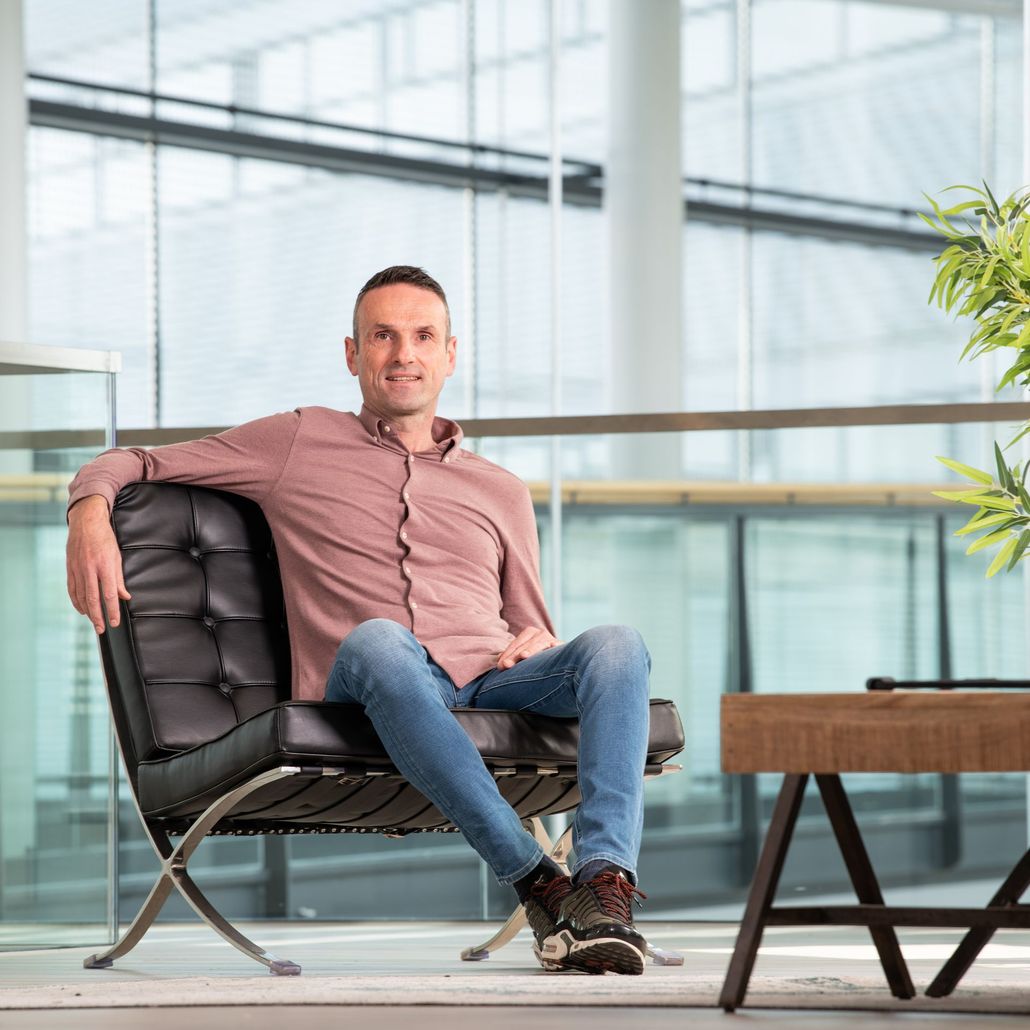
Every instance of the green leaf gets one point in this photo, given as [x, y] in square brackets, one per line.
[994, 203]
[1021, 545]
[956, 495]
[1010, 318]
[1019, 436]
[936, 226]
[977, 475]
[974, 525]
[1024, 335]
[1024, 497]
[992, 298]
[987, 541]
[944, 277]
[959, 208]
[1002, 556]
[994, 503]
[1004, 474]
[989, 271]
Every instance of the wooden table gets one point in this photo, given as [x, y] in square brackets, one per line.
[895, 732]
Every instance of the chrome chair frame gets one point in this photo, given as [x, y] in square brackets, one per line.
[193, 773]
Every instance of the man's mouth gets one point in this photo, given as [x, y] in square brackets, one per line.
[403, 379]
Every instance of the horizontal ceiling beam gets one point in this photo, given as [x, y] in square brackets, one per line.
[583, 188]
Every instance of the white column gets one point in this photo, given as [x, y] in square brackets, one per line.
[643, 202]
[13, 128]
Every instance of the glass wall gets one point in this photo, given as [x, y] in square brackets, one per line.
[57, 788]
[301, 147]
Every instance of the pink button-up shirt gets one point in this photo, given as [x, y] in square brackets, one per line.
[443, 541]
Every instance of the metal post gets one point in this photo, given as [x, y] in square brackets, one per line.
[152, 255]
[951, 798]
[740, 676]
[555, 199]
[745, 304]
[556, 824]
[1026, 440]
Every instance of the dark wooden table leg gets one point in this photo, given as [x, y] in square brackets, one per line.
[972, 944]
[867, 889]
[763, 889]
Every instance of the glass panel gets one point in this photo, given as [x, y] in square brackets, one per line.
[260, 266]
[258, 262]
[398, 68]
[56, 787]
[838, 323]
[842, 581]
[864, 101]
[88, 268]
[104, 41]
[712, 108]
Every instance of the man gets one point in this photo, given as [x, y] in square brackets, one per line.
[422, 558]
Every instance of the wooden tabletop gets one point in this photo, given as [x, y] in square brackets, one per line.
[896, 731]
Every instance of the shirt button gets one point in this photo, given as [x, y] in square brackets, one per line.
[411, 458]
[404, 536]
[407, 569]
[386, 429]
[413, 604]
[446, 459]
[407, 496]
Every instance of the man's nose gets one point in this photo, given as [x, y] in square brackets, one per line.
[404, 352]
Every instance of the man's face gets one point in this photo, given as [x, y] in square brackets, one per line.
[404, 354]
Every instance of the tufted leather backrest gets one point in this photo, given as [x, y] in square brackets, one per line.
[203, 644]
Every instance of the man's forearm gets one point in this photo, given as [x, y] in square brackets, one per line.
[91, 506]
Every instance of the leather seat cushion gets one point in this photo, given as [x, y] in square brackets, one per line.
[312, 733]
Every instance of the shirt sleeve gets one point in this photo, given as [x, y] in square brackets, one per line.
[247, 459]
[522, 596]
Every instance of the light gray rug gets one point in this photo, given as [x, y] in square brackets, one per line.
[417, 964]
[665, 987]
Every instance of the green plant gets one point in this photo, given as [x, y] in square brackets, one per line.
[985, 272]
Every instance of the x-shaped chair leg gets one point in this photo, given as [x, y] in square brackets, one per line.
[517, 920]
[174, 875]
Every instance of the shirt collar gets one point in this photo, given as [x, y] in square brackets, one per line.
[447, 435]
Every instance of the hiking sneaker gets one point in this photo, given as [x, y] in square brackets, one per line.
[595, 931]
[542, 906]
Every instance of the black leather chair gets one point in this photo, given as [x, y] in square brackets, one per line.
[198, 675]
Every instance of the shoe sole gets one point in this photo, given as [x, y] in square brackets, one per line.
[550, 965]
[562, 951]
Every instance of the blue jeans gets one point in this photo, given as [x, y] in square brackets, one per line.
[601, 678]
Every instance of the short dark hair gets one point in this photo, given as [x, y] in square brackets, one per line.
[409, 274]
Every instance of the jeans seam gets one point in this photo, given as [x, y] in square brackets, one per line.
[525, 679]
[562, 673]
[407, 755]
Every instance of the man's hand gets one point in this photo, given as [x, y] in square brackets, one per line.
[94, 562]
[532, 640]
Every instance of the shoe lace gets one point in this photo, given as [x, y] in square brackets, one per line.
[551, 893]
[615, 893]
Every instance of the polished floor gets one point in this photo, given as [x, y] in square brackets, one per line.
[461, 1018]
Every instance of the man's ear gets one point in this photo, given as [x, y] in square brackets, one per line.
[452, 353]
[351, 346]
